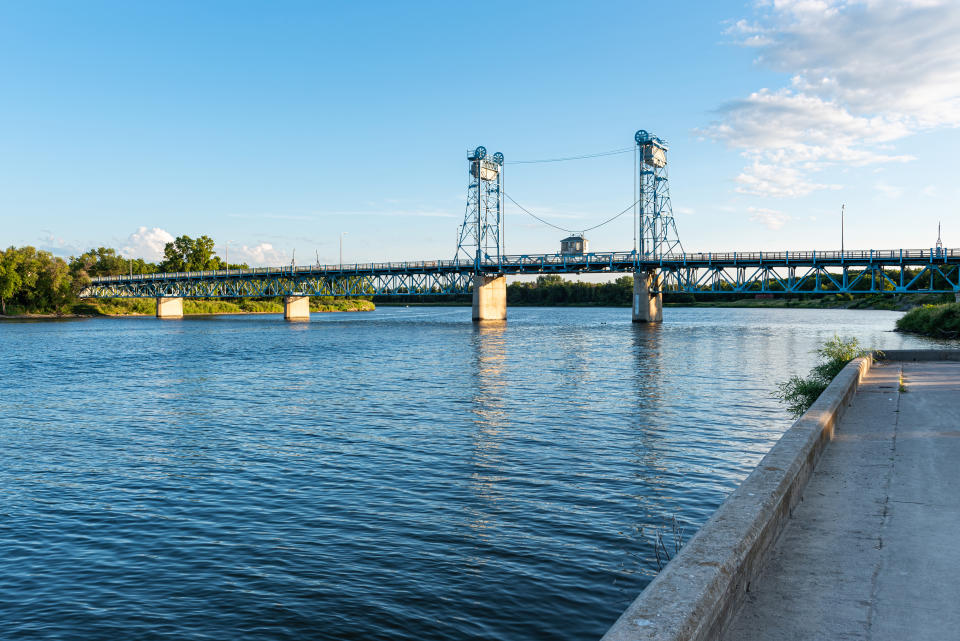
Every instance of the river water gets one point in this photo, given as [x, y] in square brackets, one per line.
[400, 474]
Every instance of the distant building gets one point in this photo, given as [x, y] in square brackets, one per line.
[573, 246]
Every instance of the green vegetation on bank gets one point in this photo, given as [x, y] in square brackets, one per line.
[148, 306]
[33, 281]
[799, 393]
[939, 321]
[892, 302]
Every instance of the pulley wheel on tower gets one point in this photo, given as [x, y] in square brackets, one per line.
[498, 158]
[480, 152]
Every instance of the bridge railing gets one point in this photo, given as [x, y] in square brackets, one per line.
[558, 260]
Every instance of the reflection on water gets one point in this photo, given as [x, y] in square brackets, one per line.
[402, 474]
[488, 406]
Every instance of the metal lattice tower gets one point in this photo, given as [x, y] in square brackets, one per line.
[655, 233]
[479, 236]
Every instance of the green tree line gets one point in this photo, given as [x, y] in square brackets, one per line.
[36, 281]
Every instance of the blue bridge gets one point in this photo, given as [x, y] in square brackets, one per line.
[880, 272]
[658, 262]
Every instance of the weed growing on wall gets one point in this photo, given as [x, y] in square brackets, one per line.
[799, 393]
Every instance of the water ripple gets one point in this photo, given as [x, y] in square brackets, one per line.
[395, 475]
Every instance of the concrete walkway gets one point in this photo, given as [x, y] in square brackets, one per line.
[873, 550]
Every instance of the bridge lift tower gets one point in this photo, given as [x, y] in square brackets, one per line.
[654, 230]
[480, 236]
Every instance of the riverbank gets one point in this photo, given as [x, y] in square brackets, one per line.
[888, 302]
[870, 551]
[778, 549]
[116, 307]
[938, 321]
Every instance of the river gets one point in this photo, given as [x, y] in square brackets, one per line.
[399, 474]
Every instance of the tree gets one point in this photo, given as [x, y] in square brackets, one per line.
[10, 280]
[186, 254]
[103, 261]
[55, 285]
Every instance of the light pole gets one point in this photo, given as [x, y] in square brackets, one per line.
[342, 234]
[226, 253]
[842, 209]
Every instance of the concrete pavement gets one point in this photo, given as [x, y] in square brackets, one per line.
[873, 550]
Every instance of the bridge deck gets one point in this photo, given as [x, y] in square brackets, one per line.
[828, 271]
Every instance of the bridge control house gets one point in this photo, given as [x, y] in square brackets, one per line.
[573, 246]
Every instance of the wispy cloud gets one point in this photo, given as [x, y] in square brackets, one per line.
[865, 73]
[258, 255]
[769, 218]
[890, 191]
[392, 213]
[57, 245]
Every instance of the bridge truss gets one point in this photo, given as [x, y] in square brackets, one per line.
[854, 272]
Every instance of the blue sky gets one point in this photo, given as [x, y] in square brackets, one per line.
[277, 126]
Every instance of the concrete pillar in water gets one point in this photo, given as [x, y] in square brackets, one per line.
[956, 296]
[169, 307]
[647, 297]
[296, 308]
[489, 298]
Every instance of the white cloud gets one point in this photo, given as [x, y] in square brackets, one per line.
[58, 246]
[865, 73]
[770, 218]
[260, 255]
[888, 190]
[929, 191]
[147, 243]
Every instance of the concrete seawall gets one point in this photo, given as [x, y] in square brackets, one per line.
[700, 591]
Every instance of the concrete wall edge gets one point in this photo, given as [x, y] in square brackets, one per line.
[699, 592]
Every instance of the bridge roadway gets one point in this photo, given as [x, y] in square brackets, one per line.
[852, 271]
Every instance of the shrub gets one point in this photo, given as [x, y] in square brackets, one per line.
[800, 393]
[941, 321]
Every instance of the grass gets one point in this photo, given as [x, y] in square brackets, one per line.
[939, 321]
[148, 306]
[799, 393]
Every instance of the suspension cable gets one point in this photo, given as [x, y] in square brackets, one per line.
[569, 231]
[584, 156]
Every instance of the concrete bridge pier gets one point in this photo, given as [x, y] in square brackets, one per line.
[169, 307]
[296, 308]
[489, 298]
[647, 297]
[956, 296]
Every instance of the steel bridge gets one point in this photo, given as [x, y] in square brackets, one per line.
[658, 261]
[855, 272]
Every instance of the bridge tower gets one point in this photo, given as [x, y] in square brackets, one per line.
[655, 232]
[479, 237]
